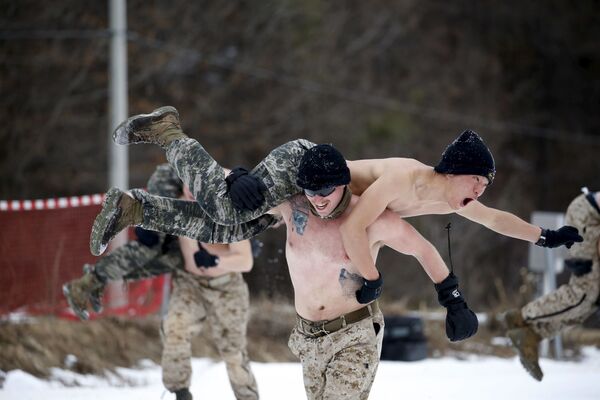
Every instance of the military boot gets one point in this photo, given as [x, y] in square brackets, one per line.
[183, 394]
[160, 127]
[513, 319]
[119, 210]
[80, 291]
[526, 342]
[95, 295]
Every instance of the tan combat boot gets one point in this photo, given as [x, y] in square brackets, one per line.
[160, 127]
[79, 292]
[119, 210]
[526, 342]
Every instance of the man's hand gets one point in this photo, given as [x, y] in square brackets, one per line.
[146, 237]
[461, 322]
[369, 291]
[204, 259]
[245, 190]
[567, 235]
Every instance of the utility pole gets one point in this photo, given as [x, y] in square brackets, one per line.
[118, 162]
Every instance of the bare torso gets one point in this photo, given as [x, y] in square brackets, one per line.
[405, 178]
[324, 280]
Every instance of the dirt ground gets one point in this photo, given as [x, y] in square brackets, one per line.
[38, 344]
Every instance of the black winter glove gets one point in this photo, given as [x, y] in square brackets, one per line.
[204, 259]
[146, 237]
[370, 290]
[245, 190]
[566, 235]
[461, 322]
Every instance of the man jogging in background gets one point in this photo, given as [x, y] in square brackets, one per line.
[209, 292]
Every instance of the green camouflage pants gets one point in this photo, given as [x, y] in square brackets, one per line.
[224, 310]
[186, 218]
[205, 178]
[134, 260]
[574, 302]
[342, 364]
[213, 218]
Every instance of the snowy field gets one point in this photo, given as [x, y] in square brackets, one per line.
[473, 379]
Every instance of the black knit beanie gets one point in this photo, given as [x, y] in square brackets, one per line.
[467, 155]
[322, 166]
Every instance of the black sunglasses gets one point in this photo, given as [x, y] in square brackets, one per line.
[321, 192]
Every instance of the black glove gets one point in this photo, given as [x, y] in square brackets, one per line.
[204, 259]
[369, 291]
[146, 237]
[245, 190]
[566, 235]
[461, 322]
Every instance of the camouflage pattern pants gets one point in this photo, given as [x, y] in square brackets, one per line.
[134, 260]
[221, 307]
[213, 218]
[574, 302]
[186, 218]
[342, 364]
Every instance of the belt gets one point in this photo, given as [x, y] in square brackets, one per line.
[317, 329]
[215, 282]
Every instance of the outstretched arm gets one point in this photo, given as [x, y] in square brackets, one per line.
[502, 222]
[508, 224]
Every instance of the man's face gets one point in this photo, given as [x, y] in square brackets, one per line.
[325, 201]
[465, 189]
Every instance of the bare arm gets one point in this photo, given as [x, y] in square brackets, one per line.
[396, 233]
[502, 222]
[371, 204]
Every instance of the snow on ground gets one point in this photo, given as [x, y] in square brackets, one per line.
[474, 379]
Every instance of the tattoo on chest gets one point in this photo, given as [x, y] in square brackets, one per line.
[299, 215]
[349, 282]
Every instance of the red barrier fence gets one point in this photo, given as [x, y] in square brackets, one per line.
[43, 244]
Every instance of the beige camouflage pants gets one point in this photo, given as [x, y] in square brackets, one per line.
[223, 310]
[574, 302]
[342, 364]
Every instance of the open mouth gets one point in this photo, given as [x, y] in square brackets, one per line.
[466, 201]
[320, 207]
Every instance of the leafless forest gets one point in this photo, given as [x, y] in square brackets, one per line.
[376, 78]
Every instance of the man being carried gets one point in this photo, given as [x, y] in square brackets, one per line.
[233, 209]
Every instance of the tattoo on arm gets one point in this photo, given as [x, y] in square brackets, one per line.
[349, 282]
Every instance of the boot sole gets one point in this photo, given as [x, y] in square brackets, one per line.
[533, 369]
[98, 240]
[125, 132]
[82, 314]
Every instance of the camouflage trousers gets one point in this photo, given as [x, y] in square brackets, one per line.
[134, 261]
[213, 218]
[221, 307]
[574, 302]
[342, 364]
